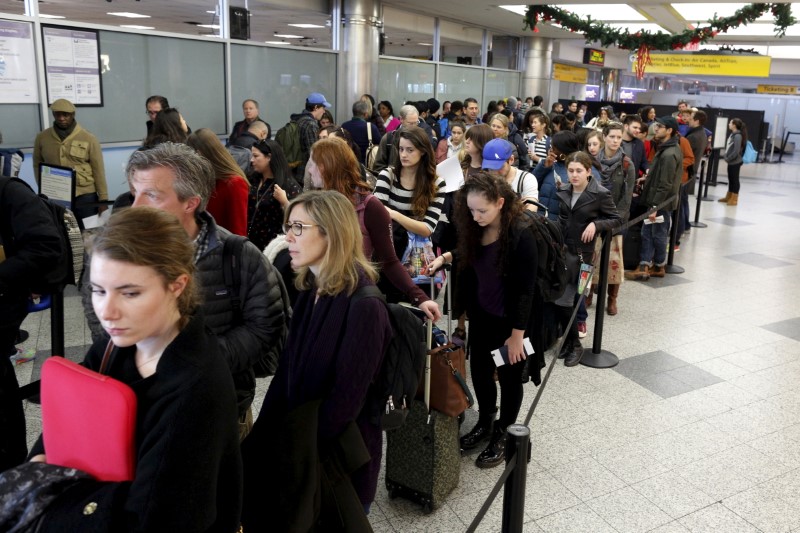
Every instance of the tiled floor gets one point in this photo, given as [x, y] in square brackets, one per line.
[697, 429]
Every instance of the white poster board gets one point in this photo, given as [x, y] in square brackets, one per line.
[720, 133]
[17, 64]
[57, 183]
[72, 65]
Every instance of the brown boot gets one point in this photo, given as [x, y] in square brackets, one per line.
[658, 271]
[734, 199]
[613, 292]
[726, 198]
[590, 295]
[642, 273]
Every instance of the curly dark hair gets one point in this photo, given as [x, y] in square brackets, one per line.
[492, 188]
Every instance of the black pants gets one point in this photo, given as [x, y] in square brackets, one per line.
[733, 178]
[80, 208]
[487, 333]
[13, 443]
[564, 314]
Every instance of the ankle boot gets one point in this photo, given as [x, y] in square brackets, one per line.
[495, 452]
[613, 292]
[478, 434]
[726, 198]
[590, 295]
[575, 354]
[734, 199]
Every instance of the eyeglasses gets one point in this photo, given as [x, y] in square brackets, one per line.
[296, 227]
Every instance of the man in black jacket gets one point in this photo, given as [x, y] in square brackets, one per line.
[174, 178]
[30, 245]
[358, 125]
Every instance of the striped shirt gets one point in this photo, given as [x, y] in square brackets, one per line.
[392, 194]
[539, 146]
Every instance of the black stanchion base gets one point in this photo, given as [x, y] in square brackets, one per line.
[674, 269]
[698, 225]
[604, 359]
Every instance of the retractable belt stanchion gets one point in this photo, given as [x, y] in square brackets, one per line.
[599, 358]
[697, 223]
[517, 450]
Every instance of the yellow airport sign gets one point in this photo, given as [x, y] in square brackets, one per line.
[710, 65]
[778, 89]
[570, 74]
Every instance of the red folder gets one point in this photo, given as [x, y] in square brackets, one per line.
[88, 421]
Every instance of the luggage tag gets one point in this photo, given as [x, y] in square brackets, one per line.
[585, 276]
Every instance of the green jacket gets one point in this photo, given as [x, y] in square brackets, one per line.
[81, 151]
[667, 166]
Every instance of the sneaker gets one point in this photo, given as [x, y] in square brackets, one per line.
[676, 248]
[658, 271]
[581, 330]
[22, 356]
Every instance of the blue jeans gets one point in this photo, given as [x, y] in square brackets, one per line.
[654, 241]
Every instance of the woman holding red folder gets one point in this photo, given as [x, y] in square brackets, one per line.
[188, 475]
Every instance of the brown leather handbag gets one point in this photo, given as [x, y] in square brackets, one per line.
[450, 394]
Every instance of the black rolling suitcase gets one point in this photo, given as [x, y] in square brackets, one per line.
[423, 456]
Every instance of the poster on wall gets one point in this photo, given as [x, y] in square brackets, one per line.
[17, 64]
[72, 65]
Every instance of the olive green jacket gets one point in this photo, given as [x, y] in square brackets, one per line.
[81, 151]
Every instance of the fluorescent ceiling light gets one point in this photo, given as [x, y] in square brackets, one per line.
[137, 27]
[42, 15]
[212, 12]
[758, 30]
[288, 36]
[761, 49]
[704, 12]
[209, 26]
[425, 44]
[306, 26]
[784, 52]
[275, 42]
[129, 15]
[618, 12]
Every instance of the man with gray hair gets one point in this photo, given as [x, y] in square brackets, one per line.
[360, 128]
[251, 323]
[409, 116]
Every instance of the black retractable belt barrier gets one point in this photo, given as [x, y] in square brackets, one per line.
[599, 358]
[697, 223]
[517, 451]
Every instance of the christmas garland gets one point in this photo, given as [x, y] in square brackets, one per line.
[644, 41]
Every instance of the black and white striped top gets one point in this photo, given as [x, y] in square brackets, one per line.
[392, 194]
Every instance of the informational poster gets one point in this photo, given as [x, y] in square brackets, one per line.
[57, 183]
[72, 65]
[17, 64]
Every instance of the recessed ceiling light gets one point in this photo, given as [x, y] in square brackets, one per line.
[288, 36]
[306, 26]
[209, 26]
[129, 15]
[42, 15]
[425, 44]
[137, 27]
[212, 12]
[705, 12]
[275, 42]
[519, 10]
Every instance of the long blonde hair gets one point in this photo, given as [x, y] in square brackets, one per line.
[344, 260]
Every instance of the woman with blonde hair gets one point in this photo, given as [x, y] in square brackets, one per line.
[333, 166]
[502, 128]
[332, 355]
[228, 202]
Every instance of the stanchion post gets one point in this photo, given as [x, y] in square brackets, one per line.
[673, 237]
[697, 223]
[517, 450]
[598, 358]
[57, 322]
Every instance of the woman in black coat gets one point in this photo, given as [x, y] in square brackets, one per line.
[497, 260]
[585, 210]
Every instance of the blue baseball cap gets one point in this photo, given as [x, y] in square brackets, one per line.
[496, 153]
[317, 98]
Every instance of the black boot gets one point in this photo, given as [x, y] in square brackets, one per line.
[478, 434]
[566, 348]
[495, 453]
[575, 354]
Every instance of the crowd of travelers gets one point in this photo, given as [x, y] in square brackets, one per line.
[227, 261]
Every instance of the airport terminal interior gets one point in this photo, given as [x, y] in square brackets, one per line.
[698, 426]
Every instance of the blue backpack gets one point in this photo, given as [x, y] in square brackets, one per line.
[750, 155]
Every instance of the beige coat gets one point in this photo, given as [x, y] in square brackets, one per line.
[81, 151]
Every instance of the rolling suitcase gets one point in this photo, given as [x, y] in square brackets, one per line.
[423, 457]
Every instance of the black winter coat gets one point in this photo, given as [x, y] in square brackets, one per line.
[594, 205]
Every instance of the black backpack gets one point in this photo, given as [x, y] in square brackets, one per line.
[232, 274]
[68, 270]
[551, 277]
[396, 386]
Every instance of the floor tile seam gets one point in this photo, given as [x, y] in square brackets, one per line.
[582, 502]
[722, 503]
